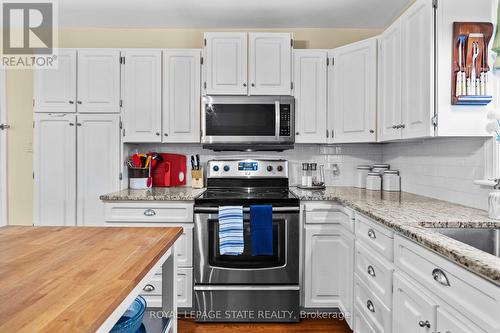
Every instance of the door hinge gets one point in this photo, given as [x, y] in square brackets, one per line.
[33, 102]
[204, 41]
[201, 133]
[124, 132]
[121, 103]
[205, 85]
[33, 124]
[122, 60]
[121, 176]
[33, 175]
[291, 85]
[333, 61]
[121, 124]
[201, 61]
[435, 4]
[291, 42]
[327, 61]
[435, 120]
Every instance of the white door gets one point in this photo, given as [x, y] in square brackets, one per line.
[54, 169]
[450, 322]
[346, 276]
[54, 90]
[98, 165]
[417, 27]
[269, 63]
[354, 90]
[226, 63]
[141, 95]
[322, 273]
[3, 151]
[412, 310]
[98, 81]
[389, 83]
[181, 95]
[310, 77]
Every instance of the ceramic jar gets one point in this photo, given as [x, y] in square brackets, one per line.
[494, 205]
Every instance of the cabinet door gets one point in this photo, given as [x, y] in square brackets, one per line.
[54, 166]
[181, 96]
[310, 77]
[269, 63]
[226, 63]
[417, 26]
[389, 83]
[322, 258]
[354, 90]
[141, 86]
[184, 287]
[450, 322]
[98, 165]
[54, 90]
[413, 311]
[99, 81]
[346, 276]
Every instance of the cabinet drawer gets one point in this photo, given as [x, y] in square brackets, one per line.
[375, 236]
[148, 212]
[375, 271]
[375, 312]
[324, 213]
[474, 297]
[361, 324]
[153, 287]
[185, 287]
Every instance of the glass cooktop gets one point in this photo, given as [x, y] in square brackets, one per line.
[247, 196]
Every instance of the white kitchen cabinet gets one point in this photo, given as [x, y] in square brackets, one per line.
[413, 310]
[269, 63]
[225, 63]
[346, 276]
[181, 95]
[54, 90]
[389, 83]
[417, 55]
[310, 92]
[141, 95]
[353, 92]
[99, 166]
[450, 322]
[98, 81]
[54, 164]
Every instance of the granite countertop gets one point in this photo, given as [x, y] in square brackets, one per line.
[155, 194]
[415, 216]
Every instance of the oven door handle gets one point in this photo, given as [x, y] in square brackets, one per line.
[247, 210]
[232, 287]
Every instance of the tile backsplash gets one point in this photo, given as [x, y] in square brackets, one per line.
[442, 168]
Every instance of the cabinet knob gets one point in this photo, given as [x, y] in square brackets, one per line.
[71, 124]
[297, 133]
[371, 234]
[71, 102]
[327, 133]
[372, 131]
[395, 126]
[166, 134]
[253, 84]
[79, 102]
[149, 212]
[440, 277]
[369, 306]
[402, 126]
[371, 271]
[148, 288]
[244, 84]
[424, 324]
[157, 133]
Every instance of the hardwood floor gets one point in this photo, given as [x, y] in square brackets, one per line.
[306, 325]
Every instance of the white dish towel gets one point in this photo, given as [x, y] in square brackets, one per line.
[231, 242]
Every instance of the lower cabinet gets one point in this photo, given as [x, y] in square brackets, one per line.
[161, 214]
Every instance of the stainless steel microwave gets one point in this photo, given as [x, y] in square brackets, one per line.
[248, 122]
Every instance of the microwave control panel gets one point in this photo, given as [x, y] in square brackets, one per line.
[285, 120]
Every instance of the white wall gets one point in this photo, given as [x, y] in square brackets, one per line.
[346, 156]
[442, 168]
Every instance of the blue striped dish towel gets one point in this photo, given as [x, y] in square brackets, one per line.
[231, 242]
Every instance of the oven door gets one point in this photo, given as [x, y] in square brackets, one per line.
[280, 268]
[246, 120]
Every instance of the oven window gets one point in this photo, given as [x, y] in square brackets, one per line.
[246, 260]
[241, 120]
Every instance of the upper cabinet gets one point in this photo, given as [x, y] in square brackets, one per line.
[269, 63]
[353, 92]
[229, 56]
[99, 81]
[141, 95]
[181, 95]
[310, 77]
[54, 90]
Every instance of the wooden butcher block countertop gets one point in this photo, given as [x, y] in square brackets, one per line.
[70, 279]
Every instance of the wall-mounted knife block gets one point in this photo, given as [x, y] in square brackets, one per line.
[470, 69]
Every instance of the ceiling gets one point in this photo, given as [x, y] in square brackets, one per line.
[229, 13]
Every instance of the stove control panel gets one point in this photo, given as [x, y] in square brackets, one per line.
[247, 169]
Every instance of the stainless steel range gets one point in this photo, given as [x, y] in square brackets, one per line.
[245, 287]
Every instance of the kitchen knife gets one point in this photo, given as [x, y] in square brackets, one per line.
[193, 165]
[198, 167]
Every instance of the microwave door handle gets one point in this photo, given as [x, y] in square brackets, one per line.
[277, 115]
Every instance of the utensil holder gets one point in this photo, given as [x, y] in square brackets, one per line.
[138, 178]
[197, 180]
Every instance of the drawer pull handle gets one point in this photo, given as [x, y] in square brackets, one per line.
[424, 324]
[371, 234]
[148, 288]
[149, 212]
[369, 306]
[439, 276]
[371, 271]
